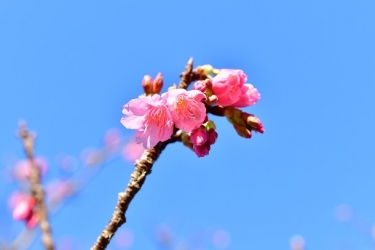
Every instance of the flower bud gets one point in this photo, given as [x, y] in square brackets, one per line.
[212, 136]
[147, 84]
[199, 136]
[32, 221]
[242, 131]
[24, 208]
[202, 151]
[157, 84]
[204, 86]
[253, 122]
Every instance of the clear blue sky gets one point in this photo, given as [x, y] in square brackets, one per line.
[68, 67]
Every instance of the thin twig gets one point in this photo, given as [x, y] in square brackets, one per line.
[186, 77]
[143, 168]
[36, 187]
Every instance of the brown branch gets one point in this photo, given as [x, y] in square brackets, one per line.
[216, 110]
[36, 187]
[186, 77]
[142, 168]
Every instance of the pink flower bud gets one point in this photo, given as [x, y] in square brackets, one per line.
[157, 84]
[212, 136]
[202, 151]
[199, 136]
[24, 208]
[32, 221]
[205, 86]
[147, 84]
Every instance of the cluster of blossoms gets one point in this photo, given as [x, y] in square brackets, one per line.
[156, 117]
[201, 138]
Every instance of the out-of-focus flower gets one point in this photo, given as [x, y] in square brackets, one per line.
[132, 150]
[112, 139]
[22, 170]
[92, 157]
[23, 208]
[221, 239]
[163, 234]
[343, 213]
[151, 117]
[124, 239]
[297, 242]
[59, 190]
[186, 107]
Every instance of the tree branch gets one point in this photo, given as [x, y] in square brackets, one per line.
[186, 77]
[143, 168]
[36, 187]
[216, 110]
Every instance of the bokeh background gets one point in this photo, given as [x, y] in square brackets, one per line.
[68, 67]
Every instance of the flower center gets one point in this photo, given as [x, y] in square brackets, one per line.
[186, 107]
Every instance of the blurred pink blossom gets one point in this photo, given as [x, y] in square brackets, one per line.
[132, 150]
[297, 242]
[343, 213]
[22, 169]
[221, 239]
[112, 139]
[163, 234]
[58, 190]
[23, 208]
[124, 239]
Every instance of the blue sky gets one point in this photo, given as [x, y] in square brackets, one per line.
[68, 67]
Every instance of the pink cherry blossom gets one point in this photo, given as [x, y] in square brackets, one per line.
[186, 107]
[227, 86]
[248, 97]
[151, 117]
